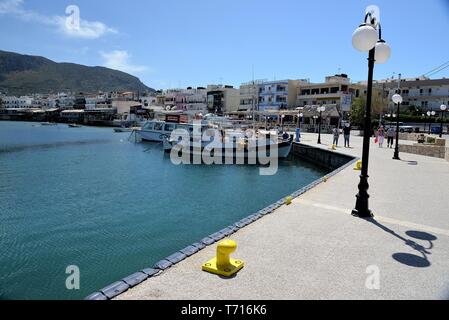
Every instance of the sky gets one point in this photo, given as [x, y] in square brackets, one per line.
[179, 43]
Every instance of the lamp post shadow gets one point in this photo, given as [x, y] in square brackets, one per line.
[411, 260]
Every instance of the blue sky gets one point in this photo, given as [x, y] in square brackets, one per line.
[178, 43]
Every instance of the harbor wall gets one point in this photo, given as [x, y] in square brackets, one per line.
[328, 159]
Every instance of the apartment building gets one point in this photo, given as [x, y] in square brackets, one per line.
[11, 102]
[249, 95]
[422, 93]
[221, 99]
[278, 95]
[192, 100]
[336, 90]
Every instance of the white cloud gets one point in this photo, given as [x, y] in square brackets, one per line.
[64, 24]
[120, 60]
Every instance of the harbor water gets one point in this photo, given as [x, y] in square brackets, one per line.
[92, 198]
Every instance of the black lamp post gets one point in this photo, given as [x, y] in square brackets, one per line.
[368, 37]
[443, 108]
[321, 110]
[397, 99]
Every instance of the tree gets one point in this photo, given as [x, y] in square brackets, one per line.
[357, 113]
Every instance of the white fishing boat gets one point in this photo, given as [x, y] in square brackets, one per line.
[156, 130]
[48, 124]
[240, 148]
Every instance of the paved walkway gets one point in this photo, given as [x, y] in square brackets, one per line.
[314, 248]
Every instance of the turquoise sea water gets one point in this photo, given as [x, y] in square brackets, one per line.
[91, 198]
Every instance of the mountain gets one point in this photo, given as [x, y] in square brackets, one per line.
[23, 74]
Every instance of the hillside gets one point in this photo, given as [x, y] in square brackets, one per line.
[23, 74]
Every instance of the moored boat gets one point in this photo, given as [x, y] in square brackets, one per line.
[241, 149]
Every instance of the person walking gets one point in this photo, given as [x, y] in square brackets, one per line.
[347, 134]
[381, 136]
[390, 136]
[336, 133]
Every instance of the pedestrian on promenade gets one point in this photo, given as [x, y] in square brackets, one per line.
[347, 134]
[381, 136]
[390, 135]
[336, 133]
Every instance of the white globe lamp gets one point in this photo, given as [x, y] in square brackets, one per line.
[364, 38]
[397, 99]
[383, 52]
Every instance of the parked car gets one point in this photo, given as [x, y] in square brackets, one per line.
[408, 129]
[436, 130]
[402, 127]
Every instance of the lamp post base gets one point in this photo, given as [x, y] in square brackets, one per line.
[361, 206]
[362, 214]
[396, 158]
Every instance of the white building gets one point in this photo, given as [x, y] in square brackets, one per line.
[423, 94]
[148, 101]
[94, 102]
[192, 100]
[249, 95]
[24, 102]
[62, 101]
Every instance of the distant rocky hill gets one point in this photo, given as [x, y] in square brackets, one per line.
[23, 74]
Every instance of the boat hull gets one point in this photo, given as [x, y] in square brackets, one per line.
[234, 155]
[153, 136]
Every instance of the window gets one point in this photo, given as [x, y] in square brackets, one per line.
[158, 126]
[281, 99]
[169, 127]
[280, 88]
[149, 126]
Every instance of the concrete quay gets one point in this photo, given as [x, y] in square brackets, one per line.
[315, 249]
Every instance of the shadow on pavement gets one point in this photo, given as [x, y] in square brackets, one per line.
[411, 260]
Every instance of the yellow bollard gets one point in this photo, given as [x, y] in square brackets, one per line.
[358, 165]
[325, 179]
[223, 264]
[334, 147]
[288, 200]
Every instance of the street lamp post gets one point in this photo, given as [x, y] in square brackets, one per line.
[425, 122]
[298, 128]
[443, 108]
[368, 37]
[320, 110]
[397, 99]
[430, 114]
[315, 118]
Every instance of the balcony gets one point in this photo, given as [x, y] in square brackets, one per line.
[337, 95]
